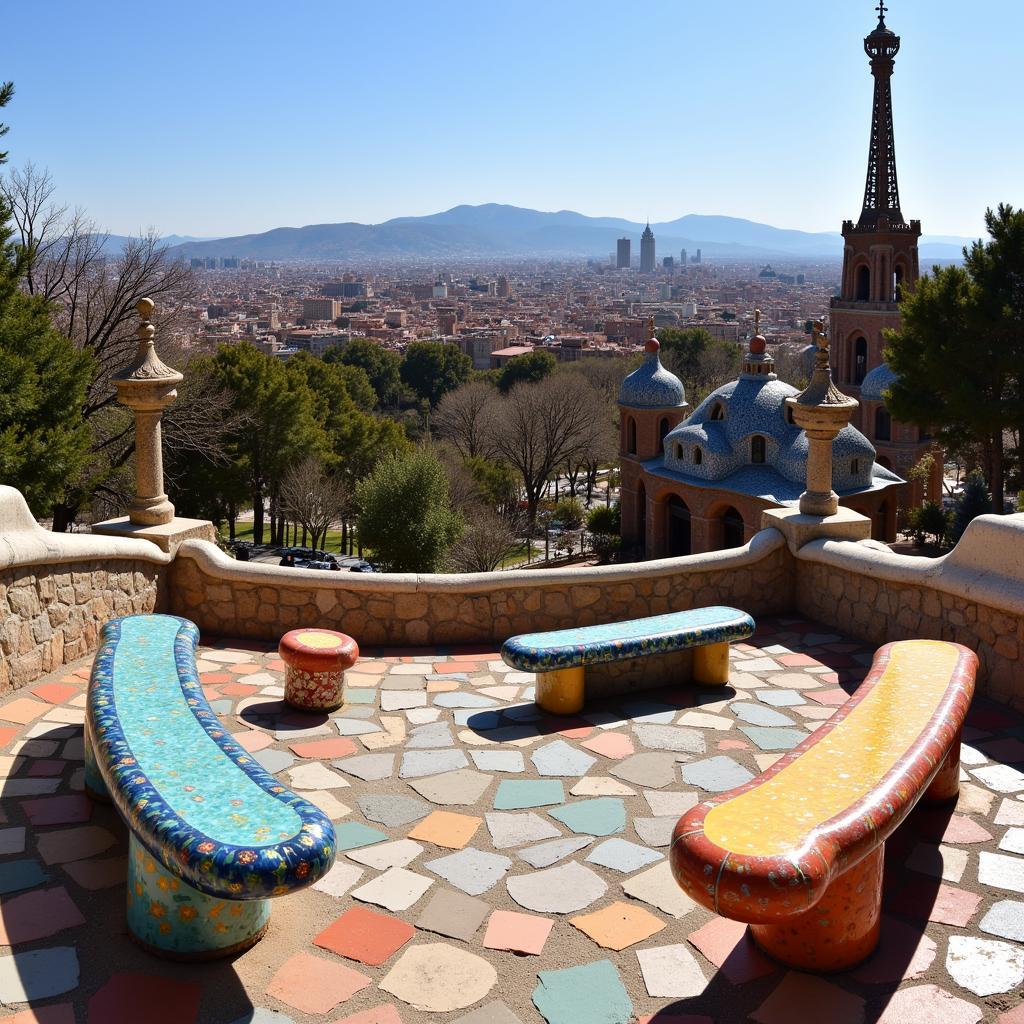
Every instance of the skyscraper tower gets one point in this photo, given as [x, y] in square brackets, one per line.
[647, 250]
[879, 260]
[622, 257]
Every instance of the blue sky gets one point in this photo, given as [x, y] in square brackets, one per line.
[225, 117]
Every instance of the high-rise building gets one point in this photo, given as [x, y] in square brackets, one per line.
[647, 256]
[696, 259]
[880, 260]
[682, 257]
[669, 263]
[622, 254]
[321, 308]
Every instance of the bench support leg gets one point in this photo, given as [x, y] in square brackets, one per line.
[840, 930]
[945, 787]
[170, 918]
[561, 692]
[95, 787]
[711, 664]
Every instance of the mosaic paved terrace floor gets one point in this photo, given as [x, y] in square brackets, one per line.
[503, 866]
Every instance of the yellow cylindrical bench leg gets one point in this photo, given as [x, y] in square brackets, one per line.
[711, 664]
[561, 692]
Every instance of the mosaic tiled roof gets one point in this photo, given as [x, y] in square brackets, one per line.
[877, 382]
[651, 386]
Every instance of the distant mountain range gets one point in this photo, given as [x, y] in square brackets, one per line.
[495, 230]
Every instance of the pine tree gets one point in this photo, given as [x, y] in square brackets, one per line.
[43, 380]
[974, 501]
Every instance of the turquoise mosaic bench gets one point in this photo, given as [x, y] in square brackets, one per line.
[212, 835]
[560, 657]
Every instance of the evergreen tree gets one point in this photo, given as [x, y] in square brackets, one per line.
[974, 501]
[433, 368]
[531, 367]
[43, 381]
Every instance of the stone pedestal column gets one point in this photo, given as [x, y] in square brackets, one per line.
[147, 387]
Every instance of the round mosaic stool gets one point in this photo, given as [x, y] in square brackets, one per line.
[315, 661]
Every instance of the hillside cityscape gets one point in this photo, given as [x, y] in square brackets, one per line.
[499, 615]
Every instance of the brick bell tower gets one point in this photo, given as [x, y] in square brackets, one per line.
[880, 261]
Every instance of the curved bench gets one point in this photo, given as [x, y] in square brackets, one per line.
[560, 657]
[212, 835]
[797, 853]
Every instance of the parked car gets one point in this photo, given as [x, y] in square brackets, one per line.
[362, 567]
[316, 563]
[307, 554]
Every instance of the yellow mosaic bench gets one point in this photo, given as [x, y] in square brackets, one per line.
[797, 853]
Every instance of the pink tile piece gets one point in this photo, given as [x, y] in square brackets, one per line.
[806, 997]
[57, 810]
[252, 741]
[732, 745]
[63, 1013]
[386, 1014]
[8, 734]
[929, 1004]
[102, 873]
[1013, 1017]
[340, 746]
[728, 946]
[128, 998]
[315, 985]
[904, 952]
[614, 745]
[37, 915]
[520, 933]
[832, 697]
[56, 693]
[962, 829]
[796, 660]
[945, 904]
[45, 768]
[23, 710]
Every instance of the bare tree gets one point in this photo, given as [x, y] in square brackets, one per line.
[539, 427]
[313, 498]
[487, 541]
[462, 417]
[93, 295]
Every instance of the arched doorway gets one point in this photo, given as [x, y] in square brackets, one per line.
[883, 425]
[880, 523]
[678, 514]
[732, 528]
[641, 517]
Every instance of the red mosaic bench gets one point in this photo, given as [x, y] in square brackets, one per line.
[797, 853]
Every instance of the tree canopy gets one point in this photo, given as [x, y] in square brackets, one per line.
[381, 366]
[433, 368]
[959, 350]
[529, 368]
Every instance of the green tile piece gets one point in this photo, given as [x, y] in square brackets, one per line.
[598, 817]
[515, 794]
[591, 992]
[351, 835]
[360, 696]
[16, 875]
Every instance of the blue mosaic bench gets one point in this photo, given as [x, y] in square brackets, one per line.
[559, 657]
[212, 835]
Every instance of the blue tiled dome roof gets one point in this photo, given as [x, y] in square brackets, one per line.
[877, 382]
[651, 386]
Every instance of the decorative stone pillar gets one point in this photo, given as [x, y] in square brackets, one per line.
[822, 410]
[147, 386]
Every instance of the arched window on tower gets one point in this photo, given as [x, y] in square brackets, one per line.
[883, 425]
[860, 360]
[662, 428]
[631, 436]
[897, 283]
[862, 284]
[758, 449]
[679, 451]
[698, 456]
[718, 411]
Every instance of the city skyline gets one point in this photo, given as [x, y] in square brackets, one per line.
[217, 132]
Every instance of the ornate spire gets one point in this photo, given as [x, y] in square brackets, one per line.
[881, 190]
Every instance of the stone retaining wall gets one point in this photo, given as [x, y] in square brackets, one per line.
[973, 596]
[52, 614]
[248, 599]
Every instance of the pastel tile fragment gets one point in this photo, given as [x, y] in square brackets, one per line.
[589, 992]
[446, 828]
[366, 936]
[453, 914]
[984, 966]
[516, 794]
[519, 933]
[564, 889]
[314, 984]
[671, 972]
[438, 977]
[619, 925]
[808, 997]
[472, 871]
[601, 816]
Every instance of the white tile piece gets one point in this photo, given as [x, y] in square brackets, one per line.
[386, 855]
[1010, 813]
[663, 804]
[339, 879]
[599, 786]
[671, 972]
[316, 776]
[1000, 777]
[984, 966]
[328, 803]
[945, 862]
[1013, 841]
[1000, 871]
[658, 887]
[395, 890]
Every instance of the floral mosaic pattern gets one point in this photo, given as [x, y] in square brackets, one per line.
[313, 691]
[197, 801]
[658, 634]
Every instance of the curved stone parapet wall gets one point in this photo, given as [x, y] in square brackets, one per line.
[57, 590]
[252, 600]
[974, 596]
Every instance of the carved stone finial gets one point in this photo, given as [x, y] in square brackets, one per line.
[757, 321]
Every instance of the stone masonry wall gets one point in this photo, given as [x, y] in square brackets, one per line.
[252, 600]
[881, 610]
[52, 614]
